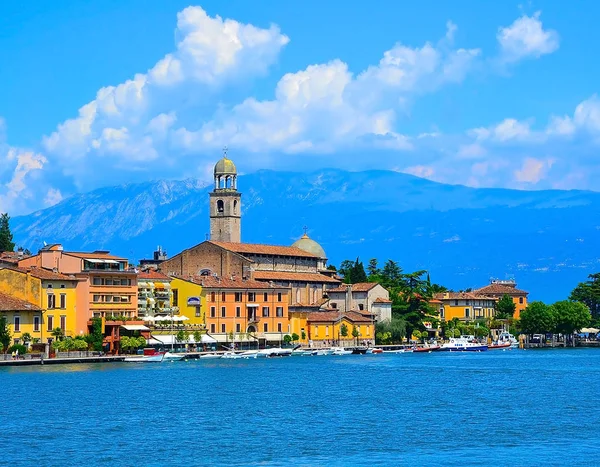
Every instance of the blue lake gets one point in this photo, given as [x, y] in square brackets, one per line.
[490, 408]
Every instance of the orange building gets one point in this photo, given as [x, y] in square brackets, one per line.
[498, 288]
[245, 311]
[106, 286]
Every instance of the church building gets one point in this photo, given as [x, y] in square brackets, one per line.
[300, 267]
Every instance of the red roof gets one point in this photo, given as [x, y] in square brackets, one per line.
[381, 300]
[462, 296]
[500, 289]
[260, 249]
[43, 274]
[10, 303]
[294, 277]
[213, 282]
[153, 275]
[358, 287]
[335, 316]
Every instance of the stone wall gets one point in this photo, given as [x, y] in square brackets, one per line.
[206, 257]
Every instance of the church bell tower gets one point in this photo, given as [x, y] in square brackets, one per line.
[225, 203]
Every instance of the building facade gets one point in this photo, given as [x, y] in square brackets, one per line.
[22, 317]
[498, 288]
[154, 294]
[326, 328]
[465, 306]
[361, 297]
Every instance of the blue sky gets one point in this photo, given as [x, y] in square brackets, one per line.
[487, 94]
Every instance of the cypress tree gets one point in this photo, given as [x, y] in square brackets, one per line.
[6, 243]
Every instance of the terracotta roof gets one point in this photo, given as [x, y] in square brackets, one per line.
[43, 274]
[381, 300]
[500, 289]
[294, 277]
[95, 255]
[335, 316]
[9, 303]
[462, 296]
[318, 304]
[153, 275]
[227, 283]
[358, 287]
[11, 257]
[260, 249]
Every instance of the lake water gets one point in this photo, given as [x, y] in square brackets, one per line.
[492, 408]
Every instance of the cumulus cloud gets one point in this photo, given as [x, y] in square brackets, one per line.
[22, 164]
[526, 38]
[507, 130]
[132, 118]
[533, 170]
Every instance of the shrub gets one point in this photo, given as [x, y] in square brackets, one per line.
[17, 347]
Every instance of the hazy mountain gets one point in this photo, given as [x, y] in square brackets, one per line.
[547, 240]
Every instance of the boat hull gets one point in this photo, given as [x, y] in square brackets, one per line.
[474, 348]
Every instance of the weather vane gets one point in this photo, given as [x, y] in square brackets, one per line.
[225, 151]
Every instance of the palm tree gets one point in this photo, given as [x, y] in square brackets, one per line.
[57, 333]
[26, 338]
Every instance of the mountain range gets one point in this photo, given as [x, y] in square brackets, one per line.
[546, 240]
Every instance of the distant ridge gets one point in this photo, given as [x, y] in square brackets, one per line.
[547, 240]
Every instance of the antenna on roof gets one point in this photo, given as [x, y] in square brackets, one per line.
[225, 149]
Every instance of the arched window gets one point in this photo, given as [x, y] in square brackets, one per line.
[235, 206]
[220, 206]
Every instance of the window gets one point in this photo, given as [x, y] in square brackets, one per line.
[316, 330]
[334, 305]
[213, 311]
[278, 327]
[278, 296]
[279, 311]
[17, 324]
[521, 300]
[265, 311]
[265, 297]
[197, 314]
[238, 296]
[222, 296]
[266, 327]
[63, 301]
[212, 328]
[220, 206]
[97, 298]
[361, 307]
[96, 281]
[223, 327]
[238, 311]
[63, 322]
[51, 301]
[176, 298]
[50, 323]
[466, 312]
[441, 312]
[222, 312]
[213, 297]
[455, 302]
[36, 324]
[251, 297]
[326, 331]
[238, 327]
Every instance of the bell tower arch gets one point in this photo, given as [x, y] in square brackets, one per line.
[225, 203]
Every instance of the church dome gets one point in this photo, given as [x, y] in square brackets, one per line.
[225, 167]
[310, 246]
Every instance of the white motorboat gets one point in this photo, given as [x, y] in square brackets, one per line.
[323, 352]
[340, 351]
[462, 344]
[505, 336]
[210, 356]
[231, 355]
[173, 357]
[398, 351]
[249, 354]
[156, 358]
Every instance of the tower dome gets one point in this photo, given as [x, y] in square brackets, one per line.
[307, 244]
[225, 166]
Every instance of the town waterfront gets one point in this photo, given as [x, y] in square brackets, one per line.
[508, 407]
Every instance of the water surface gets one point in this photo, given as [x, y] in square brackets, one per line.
[490, 408]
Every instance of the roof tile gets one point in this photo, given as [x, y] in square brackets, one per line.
[10, 303]
[294, 277]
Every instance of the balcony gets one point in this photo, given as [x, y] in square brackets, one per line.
[253, 318]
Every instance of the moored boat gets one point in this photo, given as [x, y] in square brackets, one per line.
[426, 349]
[463, 345]
[500, 346]
[340, 351]
[374, 350]
[154, 358]
[210, 356]
[173, 357]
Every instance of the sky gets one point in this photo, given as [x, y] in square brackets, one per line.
[484, 94]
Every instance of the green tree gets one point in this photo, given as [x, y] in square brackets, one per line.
[411, 301]
[6, 237]
[570, 316]
[588, 293]
[17, 347]
[344, 330]
[95, 338]
[481, 331]
[355, 333]
[373, 268]
[538, 318]
[5, 334]
[505, 307]
[287, 339]
[303, 333]
[391, 274]
[184, 336]
[57, 333]
[345, 270]
[331, 267]
[26, 337]
[197, 337]
[295, 337]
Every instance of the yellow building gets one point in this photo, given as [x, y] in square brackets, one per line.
[464, 306]
[54, 294]
[187, 299]
[299, 325]
[154, 294]
[498, 288]
[325, 328]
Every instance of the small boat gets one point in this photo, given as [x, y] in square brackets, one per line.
[210, 356]
[398, 351]
[173, 357]
[341, 351]
[249, 354]
[499, 346]
[231, 355]
[323, 352]
[359, 350]
[155, 358]
[374, 350]
[303, 352]
[426, 349]
[462, 344]
[506, 336]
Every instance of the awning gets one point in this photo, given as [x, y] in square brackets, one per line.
[169, 339]
[135, 327]
[159, 285]
[590, 331]
[251, 305]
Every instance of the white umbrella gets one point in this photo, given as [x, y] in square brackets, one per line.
[180, 318]
[590, 330]
[148, 318]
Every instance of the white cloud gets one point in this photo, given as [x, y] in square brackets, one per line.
[507, 130]
[53, 196]
[420, 171]
[526, 38]
[471, 151]
[533, 170]
[132, 118]
[22, 164]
